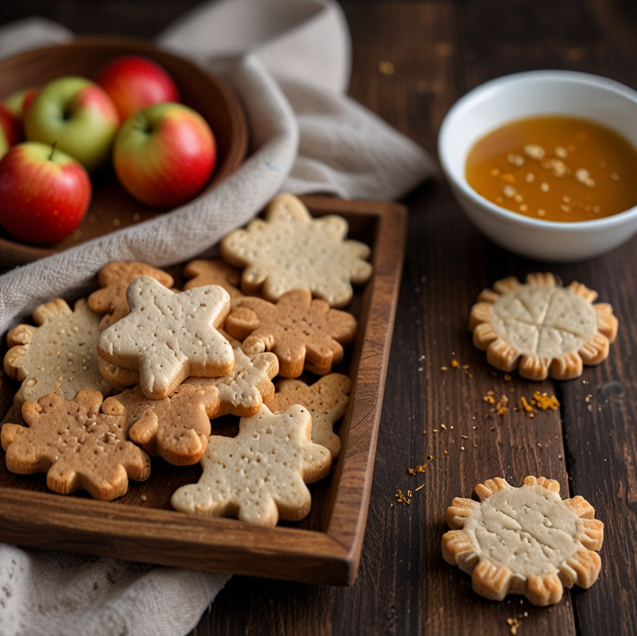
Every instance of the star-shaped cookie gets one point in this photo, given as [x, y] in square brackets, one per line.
[542, 327]
[168, 336]
[326, 400]
[259, 475]
[114, 278]
[303, 333]
[59, 356]
[291, 250]
[524, 540]
[177, 427]
[76, 445]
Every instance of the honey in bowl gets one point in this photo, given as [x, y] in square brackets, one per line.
[555, 168]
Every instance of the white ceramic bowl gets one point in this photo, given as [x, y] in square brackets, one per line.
[523, 95]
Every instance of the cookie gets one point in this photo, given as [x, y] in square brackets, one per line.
[326, 400]
[541, 327]
[118, 377]
[248, 385]
[303, 333]
[58, 356]
[291, 250]
[168, 336]
[76, 445]
[259, 476]
[524, 540]
[114, 278]
[214, 272]
[177, 427]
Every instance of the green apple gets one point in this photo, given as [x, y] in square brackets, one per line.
[77, 116]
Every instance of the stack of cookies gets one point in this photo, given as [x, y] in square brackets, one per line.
[179, 359]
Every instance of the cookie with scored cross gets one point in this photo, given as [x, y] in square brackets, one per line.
[525, 540]
[541, 327]
[259, 476]
[114, 279]
[292, 250]
[301, 331]
[77, 445]
[168, 336]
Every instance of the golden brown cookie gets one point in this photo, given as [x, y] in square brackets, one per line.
[524, 540]
[168, 336]
[76, 445]
[291, 250]
[326, 401]
[118, 377]
[177, 428]
[541, 327]
[259, 475]
[114, 278]
[214, 272]
[303, 333]
[59, 356]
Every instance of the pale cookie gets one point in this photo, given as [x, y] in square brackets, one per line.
[168, 336]
[326, 400]
[541, 327]
[114, 278]
[177, 428]
[248, 385]
[291, 250]
[76, 445]
[303, 333]
[214, 272]
[524, 540]
[259, 475]
[59, 356]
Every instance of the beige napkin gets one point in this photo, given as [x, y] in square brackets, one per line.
[288, 61]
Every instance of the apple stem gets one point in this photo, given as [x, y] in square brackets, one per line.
[52, 150]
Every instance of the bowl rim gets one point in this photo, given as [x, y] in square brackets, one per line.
[14, 252]
[487, 90]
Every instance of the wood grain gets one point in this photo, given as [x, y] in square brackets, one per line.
[324, 548]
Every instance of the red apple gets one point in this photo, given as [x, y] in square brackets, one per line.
[10, 129]
[164, 154]
[44, 193]
[19, 101]
[134, 82]
[78, 116]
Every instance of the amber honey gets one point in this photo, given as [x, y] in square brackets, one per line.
[555, 168]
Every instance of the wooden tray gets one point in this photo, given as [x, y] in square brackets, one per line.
[112, 208]
[325, 547]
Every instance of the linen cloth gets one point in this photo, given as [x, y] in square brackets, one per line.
[289, 62]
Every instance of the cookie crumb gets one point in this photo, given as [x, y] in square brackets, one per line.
[514, 623]
[386, 68]
[401, 498]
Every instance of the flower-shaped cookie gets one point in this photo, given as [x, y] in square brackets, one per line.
[114, 278]
[326, 400]
[168, 336]
[541, 327]
[76, 445]
[524, 540]
[214, 272]
[177, 428]
[259, 475]
[301, 332]
[291, 250]
[248, 385]
[59, 356]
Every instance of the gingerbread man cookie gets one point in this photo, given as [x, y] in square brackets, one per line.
[326, 400]
[303, 333]
[291, 250]
[114, 278]
[542, 328]
[524, 540]
[168, 336]
[59, 356]
[76, 445]
[259, 475]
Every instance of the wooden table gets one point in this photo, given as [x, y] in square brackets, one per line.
[437, 51]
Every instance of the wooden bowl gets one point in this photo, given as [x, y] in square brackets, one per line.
[112, 208]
